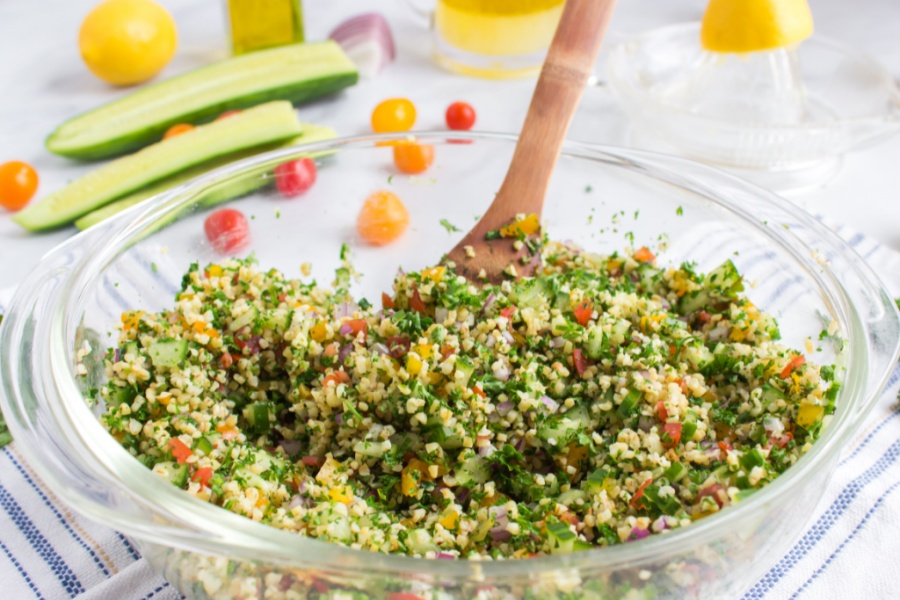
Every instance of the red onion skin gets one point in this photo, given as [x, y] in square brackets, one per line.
[354, 25]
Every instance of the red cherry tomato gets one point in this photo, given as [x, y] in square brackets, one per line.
[227, 230]
[460, 116]
[295, 177]
[18, 183]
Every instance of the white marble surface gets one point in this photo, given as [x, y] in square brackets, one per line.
[43, 81]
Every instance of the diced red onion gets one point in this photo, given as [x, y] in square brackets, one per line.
[520, 445]
[551, 404]
[490, 342]
[499, 534]
[504, 407]
[638, 534]
[773, 425]
[117, 355]
[339, 418]
[645, 423]
[444, 556]
[300, 500]
[345, 309]
[381, 349]
[502, 372]
[345, 329]
[500, 515]
[291, 447]
[661, 524]
[368, 41]
[486, 451]
[285, 583]
[507, 337]
[344, 353]
[718, 333]
[558, 342]
[487, 303]
[665, 303]
[644, 373]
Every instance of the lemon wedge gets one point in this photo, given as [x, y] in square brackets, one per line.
[754, 25]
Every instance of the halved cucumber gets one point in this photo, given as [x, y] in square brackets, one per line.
[245, 185]
[270, 122]
[295, 73]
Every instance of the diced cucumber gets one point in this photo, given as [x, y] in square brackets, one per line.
[689, 426]
[571, 497]
[245, 319]
[464, 371]
[698, 355]
[263, 124]
[173, 471]
[277, 320]
[619, 330]
[629, 404]
[693, 301]
[725, 280]
[675, 472]
[203, 445]
[771, 394]
[595, 343]
[168, 353]
[295, 73]
[562, 539]
[529, 293]
[371, 449]
[234, 189]
[753, 458]
[474, 469]
[596, 481]
[123, 395]
[420, 542]
[257, 415]
[132, 348]
[563, 427]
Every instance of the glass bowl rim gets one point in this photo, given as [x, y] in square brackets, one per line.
[217, 531]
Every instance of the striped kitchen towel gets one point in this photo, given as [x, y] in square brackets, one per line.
[51, 552]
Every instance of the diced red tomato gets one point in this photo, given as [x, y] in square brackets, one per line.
[226, 360]
[312, 461]
[661, 411]
[635, 500]
[581, 363]
[386, 301]
[508, 312]
[479, 391]
[583, 312]
[295, 176]
[416, 303]
[180, 450]
[227, 230]
[403, 596]
[704, 317]
[203, 476]
[644, 255]
[336, 377]
[247, 342]
[460, 116]
[358, 326]
[713, 492]
[725, 447]
[794, 364]
[398, 346]
[673, 432]
[781, 441]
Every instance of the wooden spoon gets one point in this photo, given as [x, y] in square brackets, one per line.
[566, 69]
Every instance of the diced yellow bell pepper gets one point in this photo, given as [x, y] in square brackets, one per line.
[414, 472]
[413, 365]
[214, 271]
[341, 494]
[318, 332]
[423, 350]
[131, 319]
[435, 274]
[809, 414]
[527, 226]
[450, 519]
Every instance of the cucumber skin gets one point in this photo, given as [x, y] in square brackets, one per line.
[296, 93]
[311, 133]
[45, 215]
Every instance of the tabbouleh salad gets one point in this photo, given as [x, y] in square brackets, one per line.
[604, 400]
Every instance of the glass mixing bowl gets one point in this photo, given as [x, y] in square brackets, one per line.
[602, 198]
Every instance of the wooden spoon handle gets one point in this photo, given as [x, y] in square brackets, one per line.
[568, 65]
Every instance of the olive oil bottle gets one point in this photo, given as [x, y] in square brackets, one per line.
[258, 24]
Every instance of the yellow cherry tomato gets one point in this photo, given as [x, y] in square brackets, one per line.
[395, 114]
[413, 158]
[382, 219]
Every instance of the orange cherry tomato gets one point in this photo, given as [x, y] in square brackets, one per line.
[18, 183]
[644, 255]
[395, 114]
[382, 219]
[178, 129]
[412, 158]
[583, 312]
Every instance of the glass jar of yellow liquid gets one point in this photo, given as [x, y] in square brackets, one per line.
[259, 24]
[494, 38]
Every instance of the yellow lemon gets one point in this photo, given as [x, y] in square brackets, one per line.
[124, 42]
[753, 25]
